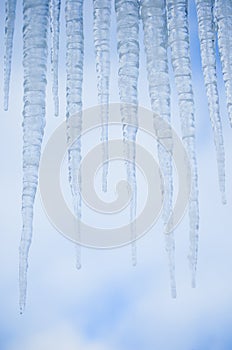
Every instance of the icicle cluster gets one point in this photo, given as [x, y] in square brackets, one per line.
[223, 15]
[10, 7]
[165, 22]
[155, 41]
[55, 31]
[180, 56]
[74, 66]
[127, 15]
[101, 31]
[35, 17]
[208, 58]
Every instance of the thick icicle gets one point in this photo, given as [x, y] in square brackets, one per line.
[208, 58]
[180, 55]
[35, 16]
[101, 31]
[223, 16]
[127, 15]
[10, 7]
[55, 31]
[155, 41]
[74, 67]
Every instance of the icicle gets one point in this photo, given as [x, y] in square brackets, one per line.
[180, 55]
[223, 16]
[208, 58]
[153, 15]
[127, 14]
[35, 16]
[10, 6]
[74, 58]
[101, 30]
[55, 30]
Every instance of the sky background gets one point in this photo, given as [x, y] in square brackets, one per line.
[109, 304]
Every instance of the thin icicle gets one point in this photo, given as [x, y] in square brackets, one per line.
[208, 58]
[101, 31]
[74, 67]
[127, 14]
[180, 55]
[35, 16]
[155, 41]
[55, 31]
[223, 16]
[10, 8]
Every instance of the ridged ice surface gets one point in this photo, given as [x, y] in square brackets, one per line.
[10, 7]
[153, 15]
[74, 68]
[208, 58]
[55, 31]
[180, 56]
[101, 32]
[223, 17]
[127, 15]
[35, 18]
[165, 23]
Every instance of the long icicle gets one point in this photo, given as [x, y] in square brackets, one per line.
[35, 17]
[208, 58]
[101, 31]
[10, 8]
[55, 31]
[127, 15]
[223, 16]
[74, 67]
[155, 41]
[180, 56]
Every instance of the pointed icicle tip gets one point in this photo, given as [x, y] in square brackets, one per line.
[173, 294]
[193, 282]
[78, 265]
[22, 308]
[223, 198]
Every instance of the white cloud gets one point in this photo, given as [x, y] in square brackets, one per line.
[60, 337]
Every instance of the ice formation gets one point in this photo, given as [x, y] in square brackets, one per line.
[165, 24]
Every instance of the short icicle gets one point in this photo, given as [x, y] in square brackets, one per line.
[223, 18]
[55, 31]
[101, 31]
[208, 58]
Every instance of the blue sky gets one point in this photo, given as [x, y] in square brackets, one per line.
[109, 304]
